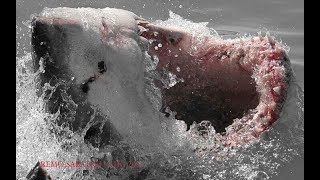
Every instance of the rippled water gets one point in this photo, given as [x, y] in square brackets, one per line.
[277, 155]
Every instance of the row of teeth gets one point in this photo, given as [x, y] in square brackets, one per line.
[142, 27]
[142, 24]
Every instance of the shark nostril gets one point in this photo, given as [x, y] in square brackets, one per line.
[85, 86]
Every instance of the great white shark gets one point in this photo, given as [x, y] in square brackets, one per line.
[94, 58]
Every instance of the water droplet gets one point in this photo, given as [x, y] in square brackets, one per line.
[172, 80]
[206, 176]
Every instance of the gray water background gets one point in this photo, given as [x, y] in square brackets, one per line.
[282, 18]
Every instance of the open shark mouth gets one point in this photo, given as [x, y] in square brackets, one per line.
[238, 86]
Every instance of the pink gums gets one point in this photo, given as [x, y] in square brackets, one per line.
[225, 68]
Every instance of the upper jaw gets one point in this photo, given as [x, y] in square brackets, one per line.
[106, 23]
[169, 35]
[107, 30]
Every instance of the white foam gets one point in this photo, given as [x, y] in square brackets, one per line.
[123, 95]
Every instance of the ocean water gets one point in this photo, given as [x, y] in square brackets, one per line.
[279, 155]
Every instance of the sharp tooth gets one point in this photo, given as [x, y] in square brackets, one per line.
[142, 23]
[139, 18]
[277, 90]
[141, 29]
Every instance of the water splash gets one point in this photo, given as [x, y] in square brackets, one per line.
[171, 158]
